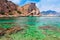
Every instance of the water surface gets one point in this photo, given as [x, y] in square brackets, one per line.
[35, 21]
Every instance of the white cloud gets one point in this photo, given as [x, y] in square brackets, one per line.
[49, 5]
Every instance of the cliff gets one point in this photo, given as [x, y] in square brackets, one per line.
[8, 8]
[29, 10]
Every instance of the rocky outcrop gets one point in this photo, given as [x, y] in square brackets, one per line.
[2, 31]
[29, 10]
[9, 9]
[10, 30]
[6, 7]
[13, 30]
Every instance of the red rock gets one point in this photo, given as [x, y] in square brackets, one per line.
[26, 10]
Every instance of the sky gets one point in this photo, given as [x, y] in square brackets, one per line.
[49, 5]
[43, 5]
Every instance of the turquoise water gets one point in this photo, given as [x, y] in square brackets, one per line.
[35, 21]
[39, 21]
[33, 31]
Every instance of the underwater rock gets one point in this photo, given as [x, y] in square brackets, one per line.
[10, 30]
[13, 30]
[2, 31]
[45, 27]
[53, 28]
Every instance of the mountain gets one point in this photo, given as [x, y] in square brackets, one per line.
[10, 9]
[48, 12]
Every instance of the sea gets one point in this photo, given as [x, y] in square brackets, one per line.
[32, 21]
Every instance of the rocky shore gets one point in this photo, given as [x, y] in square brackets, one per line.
[9, 9]
[5, 16]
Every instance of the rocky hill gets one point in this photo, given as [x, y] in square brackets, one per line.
[29, 10]
[9, 9]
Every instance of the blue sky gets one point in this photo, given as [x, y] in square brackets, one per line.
[41, 4]
[49, 5]
[23, 2]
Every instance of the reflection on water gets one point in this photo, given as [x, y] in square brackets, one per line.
[39, 21]
[35, 21]
[27, 21]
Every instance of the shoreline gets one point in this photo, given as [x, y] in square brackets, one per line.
[9, 16]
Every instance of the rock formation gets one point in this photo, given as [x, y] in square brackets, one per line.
[10, 30]
[7, 7]
[29, 10]
[10, 9]
[2, 31]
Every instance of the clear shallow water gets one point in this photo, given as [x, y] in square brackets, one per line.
[35, 21]
[32, 32]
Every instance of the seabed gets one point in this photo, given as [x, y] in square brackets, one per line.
[31, 32]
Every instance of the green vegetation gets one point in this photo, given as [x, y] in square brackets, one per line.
[10, 13]
[2, 12]
[19, 12]
[33, 33]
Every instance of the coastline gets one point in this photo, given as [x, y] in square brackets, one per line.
[7, 16]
